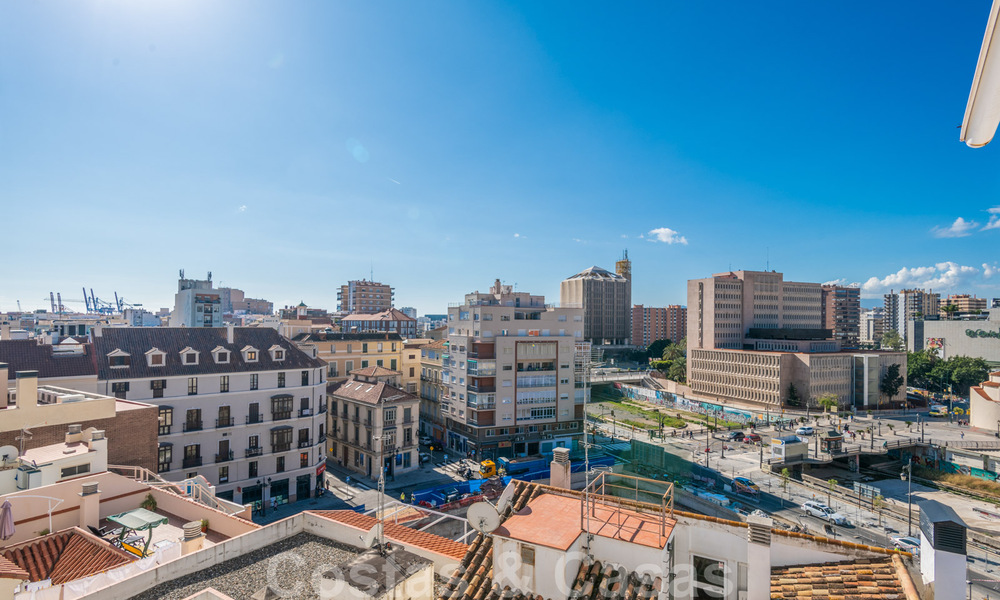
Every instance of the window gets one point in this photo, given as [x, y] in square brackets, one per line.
[120, 389]
[166, 420]
[192, 420]
[281, 407]
[224, 474]
[225, 418]
[364, 364]
[348, 366]
[254, 378]
[305, 377]
[156, 360]
[379, 363]
[166, 455]
[304, 409]
[411, 372]
[251, 356]
[303, 460]
[279, 355]
[379, 346]
[190, 358]
[281, 439]
[279, 464]
[350, 348]
[254, 416]
[252, 468]
[158, 385]
[222, 357]
[75, 470]
[364, 348]
[392, 364]
[224, 383]
[122, 360]
[281, 379]
[192, 386]
[407, 436]
[709, 576]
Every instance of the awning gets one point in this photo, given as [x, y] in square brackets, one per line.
[138, 520]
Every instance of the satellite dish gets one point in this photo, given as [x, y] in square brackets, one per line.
[374, 534]
[483, 517]
[8, 454]
[505, 499]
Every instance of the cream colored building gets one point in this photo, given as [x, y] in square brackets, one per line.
[410, 364]
[370, 420]
[346, 352]
[432, 388]
[510, 375]
[606, 299]
[984, 404]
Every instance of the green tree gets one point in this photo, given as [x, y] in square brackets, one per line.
[949, 311]
[967, 372]
[678, 371]
[919, 366]
[793, 398]
[829, 401]
[785, 476]
[891, 382]
[655, 350]
[891, 340]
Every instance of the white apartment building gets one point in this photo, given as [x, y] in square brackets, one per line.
[871, 325]
[196, 304]
[243, 407]
[510, 375]
[906, 306]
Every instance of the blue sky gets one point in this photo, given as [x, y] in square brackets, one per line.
[290, 146]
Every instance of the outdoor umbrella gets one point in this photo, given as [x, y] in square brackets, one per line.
[6, 521]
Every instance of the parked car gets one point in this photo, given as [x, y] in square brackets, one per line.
[425, 440]
[735, 436]
[751, 438]
[907, 544]
[743, 485]
[425, 457]
[822, 511]
[805, 430]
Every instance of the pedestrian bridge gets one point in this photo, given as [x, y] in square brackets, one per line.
[619, 375]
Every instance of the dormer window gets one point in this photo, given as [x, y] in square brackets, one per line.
[189, 356]
[221, 355]
[156, 357]
[277, 352]
[119, 359]
[249, 354]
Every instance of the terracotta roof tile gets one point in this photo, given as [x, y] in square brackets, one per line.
[369, 392]
[386, 315]
[398, 533]
[611, 581]
[10, 570]
[860, 578]
[375, 371]
[66, 555]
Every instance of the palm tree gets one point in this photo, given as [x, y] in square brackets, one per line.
[949, 311]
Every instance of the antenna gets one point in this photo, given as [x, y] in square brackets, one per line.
[767, 264]
[505, 499]
[483, 517]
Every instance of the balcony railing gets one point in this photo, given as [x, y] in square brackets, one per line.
[282, 447]
[322, 407]
[305, 412]
[224, 422]
[191, 461]
[484, 389]
[281, 416]
[224, 457]
[254, 419]
[254, 451]
[305, 443]
[192, 426]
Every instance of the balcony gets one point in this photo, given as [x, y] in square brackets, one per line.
[254, 451]
[305, 443]
[484, 368]
[190, 462]
[223, 422]
[192, 426]
[485, 388]
[254, 419]
[224, 457]
[535, 366]
[305, 412]
[322, 407]
[281, 416]
[282, 447]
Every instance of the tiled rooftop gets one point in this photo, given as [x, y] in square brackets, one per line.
[857, 579]
[29, 355]
[368, 392]
[66, 555]
[10, 570]
[610, 581]
[375, 371]
[398, 533]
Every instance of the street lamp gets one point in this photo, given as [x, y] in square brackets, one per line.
[612, 425]
[907, 476]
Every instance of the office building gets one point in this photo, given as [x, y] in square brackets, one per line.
[841, 310]
[606, 299]
[965, 305]
[653, 323]
[366, 297]
[976, 338]
[372, 419]
[196, 304]
[756, 310]
[409, 311]
[387, 321]
[510, 375]
[765, 378]
[242, 407]
[870, 326]
[345, 352]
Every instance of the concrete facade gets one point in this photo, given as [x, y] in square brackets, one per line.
[196, 304]
[908, 305]
[606, 299]
[842, 313]
[658, 323]
[975, 338]
[363, 296]
[510, 375]
[345, 352]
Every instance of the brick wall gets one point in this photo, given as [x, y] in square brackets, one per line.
[132, 437]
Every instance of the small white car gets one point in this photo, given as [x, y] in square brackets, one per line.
[425, 440]
[907, 544]
[805, 430]
[822, 511]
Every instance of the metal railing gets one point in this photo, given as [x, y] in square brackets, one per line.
[254, 451]
[305, 443]
[224, 457]
[196, 492]
[254, 419]
[192, 426]
[224, 422]
[191, 461]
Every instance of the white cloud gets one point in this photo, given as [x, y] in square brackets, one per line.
[942, 276]
[517, 235]
[667, 236]
[960, 228]
[994, 218]
[843, 283]
[242, 208]
[990, 270]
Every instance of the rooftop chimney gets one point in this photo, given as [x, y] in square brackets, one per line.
[74, 434]
[230, 330]
[27, 388]
[560, 476]
[4, 332]
[759, 557]
[90, 505]
[943, 536]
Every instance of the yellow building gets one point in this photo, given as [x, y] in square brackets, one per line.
[410, 364]
[346, 352]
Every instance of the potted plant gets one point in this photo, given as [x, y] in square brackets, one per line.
[204, 525]
[149, 503]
